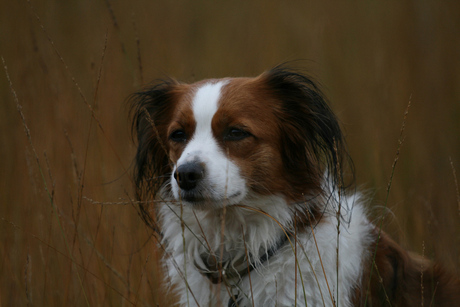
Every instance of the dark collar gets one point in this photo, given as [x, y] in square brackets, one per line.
[235, 269]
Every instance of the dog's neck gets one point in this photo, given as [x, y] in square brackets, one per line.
[233, 269]
[237, 231]
[227, 235]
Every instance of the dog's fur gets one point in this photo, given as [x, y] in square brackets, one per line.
[253, 205]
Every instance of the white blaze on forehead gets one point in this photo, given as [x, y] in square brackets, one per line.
[202, 145]
[222, 180]
[205, 104]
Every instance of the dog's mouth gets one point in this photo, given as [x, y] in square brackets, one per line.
[197, 198]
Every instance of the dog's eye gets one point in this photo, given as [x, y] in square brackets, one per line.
[178, 136]
[235, 134]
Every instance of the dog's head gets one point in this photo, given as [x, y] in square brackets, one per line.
[219, 142]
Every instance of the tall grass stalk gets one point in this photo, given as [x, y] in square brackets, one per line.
[68, 258]
[53, 205]
[320, 260]
[398, 150]
[90, 108]
[338, 216]
[454, 173]
[82, 178]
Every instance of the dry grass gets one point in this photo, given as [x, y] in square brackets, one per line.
[69, 232]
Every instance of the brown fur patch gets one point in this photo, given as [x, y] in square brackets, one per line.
[397, 279]
[181, 118]
[245, 106]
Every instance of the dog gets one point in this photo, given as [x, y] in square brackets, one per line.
[252, 186]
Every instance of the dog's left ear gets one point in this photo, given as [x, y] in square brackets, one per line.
[312, 141]
[151, 111]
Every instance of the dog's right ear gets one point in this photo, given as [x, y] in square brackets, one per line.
[151, 110]
[312, 144]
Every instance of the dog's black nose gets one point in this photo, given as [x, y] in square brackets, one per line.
[188, 175]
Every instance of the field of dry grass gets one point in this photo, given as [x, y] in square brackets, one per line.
[69, 233]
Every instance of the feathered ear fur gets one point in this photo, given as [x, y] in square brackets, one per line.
[312, 142]
[151, 111]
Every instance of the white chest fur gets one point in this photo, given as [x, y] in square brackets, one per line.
[303, 271]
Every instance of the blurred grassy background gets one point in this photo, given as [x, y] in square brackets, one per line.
[370, 56]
